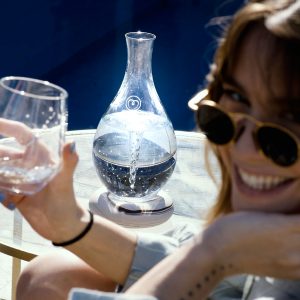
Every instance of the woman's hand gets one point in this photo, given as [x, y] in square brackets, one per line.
[22, 148]
[53, 212]
[257, 243]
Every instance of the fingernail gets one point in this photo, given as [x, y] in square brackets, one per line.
[73, 147]
[11, 206]
[2, 197]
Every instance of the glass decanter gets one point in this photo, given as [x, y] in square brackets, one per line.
[134, 148]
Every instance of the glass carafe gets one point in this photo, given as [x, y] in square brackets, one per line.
[134, 148]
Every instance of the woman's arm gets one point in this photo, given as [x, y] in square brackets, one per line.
[55, 214]
[253, 243]
[108, 248]
[190, 273]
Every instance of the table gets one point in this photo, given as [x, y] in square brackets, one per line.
[190, 187]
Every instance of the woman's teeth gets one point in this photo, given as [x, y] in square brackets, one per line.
[261, 182]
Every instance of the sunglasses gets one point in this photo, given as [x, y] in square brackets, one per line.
[276, 142]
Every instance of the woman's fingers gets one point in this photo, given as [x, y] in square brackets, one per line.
[10, 201]
[18, 130]
[3, 200]
[9, 153]
[62, 181]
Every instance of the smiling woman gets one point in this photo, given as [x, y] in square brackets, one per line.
[261, 87]
[247, 113]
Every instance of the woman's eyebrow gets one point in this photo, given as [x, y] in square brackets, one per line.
[234, 83]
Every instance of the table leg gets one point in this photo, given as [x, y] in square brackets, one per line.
[16, 262]
[16, 270]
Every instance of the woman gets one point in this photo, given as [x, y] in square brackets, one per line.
[253, 125]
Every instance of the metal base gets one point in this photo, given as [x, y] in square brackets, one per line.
[143, 214]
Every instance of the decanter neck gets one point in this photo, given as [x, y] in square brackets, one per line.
[139, 49]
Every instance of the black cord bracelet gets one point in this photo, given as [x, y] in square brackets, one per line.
[79, 236]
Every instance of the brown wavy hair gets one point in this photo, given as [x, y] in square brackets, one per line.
[281, 21]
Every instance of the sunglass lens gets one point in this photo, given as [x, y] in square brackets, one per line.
[215, 124]
[277, 145]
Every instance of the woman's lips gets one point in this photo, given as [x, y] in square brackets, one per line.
[259, 183]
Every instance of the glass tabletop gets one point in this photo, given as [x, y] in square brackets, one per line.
[190, 187]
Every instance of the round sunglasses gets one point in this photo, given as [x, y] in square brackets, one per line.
[220, 127]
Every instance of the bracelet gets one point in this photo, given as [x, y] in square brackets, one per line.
[80, 235]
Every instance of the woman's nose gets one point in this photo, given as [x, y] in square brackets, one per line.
[245, 139]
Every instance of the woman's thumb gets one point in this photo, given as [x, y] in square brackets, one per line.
[70, 157]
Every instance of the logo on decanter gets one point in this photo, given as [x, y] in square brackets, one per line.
[133, 103]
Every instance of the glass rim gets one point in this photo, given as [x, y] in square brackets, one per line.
[63, 93]
[140, 35]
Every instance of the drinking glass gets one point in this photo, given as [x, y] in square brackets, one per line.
[32, 125]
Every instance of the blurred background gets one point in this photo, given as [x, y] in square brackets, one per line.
[80, 45]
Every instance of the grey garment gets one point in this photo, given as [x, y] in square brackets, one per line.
[152, 248]
[229, 289]
[84, 294]
[275, 289]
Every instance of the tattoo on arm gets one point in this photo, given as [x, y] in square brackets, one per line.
[193, 293]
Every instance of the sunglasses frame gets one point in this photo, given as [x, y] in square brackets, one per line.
[234, 117]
